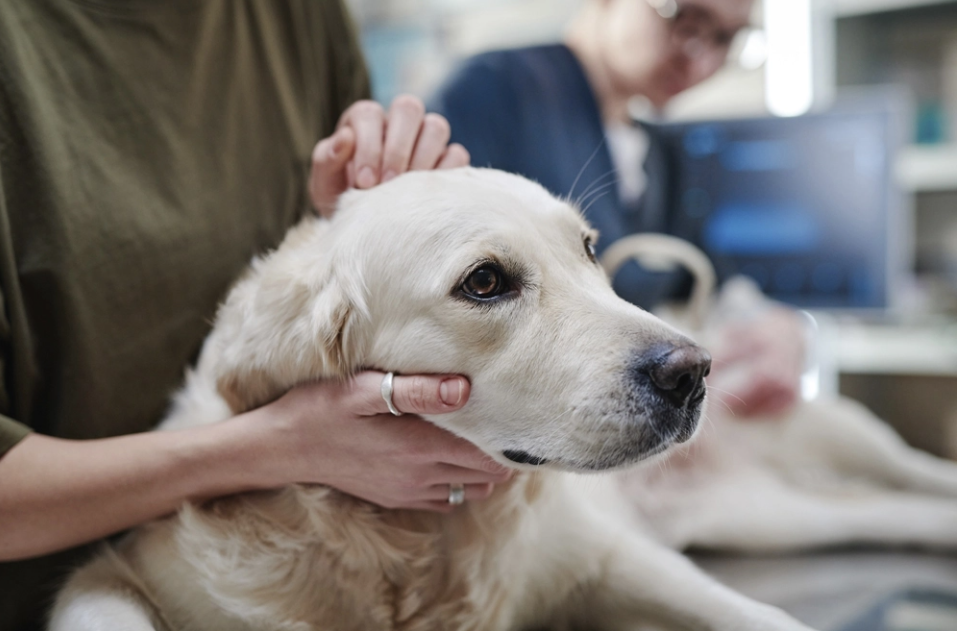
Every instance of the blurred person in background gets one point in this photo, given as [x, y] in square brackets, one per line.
[559, 114]
[147, 152]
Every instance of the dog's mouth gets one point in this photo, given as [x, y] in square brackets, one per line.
[618, 433]
[654, 439]
[523, 457]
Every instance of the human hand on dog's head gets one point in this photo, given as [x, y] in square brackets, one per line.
[371, 146]
[341, 434]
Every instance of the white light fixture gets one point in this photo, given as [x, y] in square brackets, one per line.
[789, 84]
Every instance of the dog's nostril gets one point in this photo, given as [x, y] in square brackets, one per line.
[679, 373]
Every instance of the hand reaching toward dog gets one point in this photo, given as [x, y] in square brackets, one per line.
[343, 435]
[371, 146]
[758, 363]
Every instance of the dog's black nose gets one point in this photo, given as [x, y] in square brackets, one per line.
[678, 373]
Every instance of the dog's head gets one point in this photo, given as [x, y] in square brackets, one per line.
[474, 272]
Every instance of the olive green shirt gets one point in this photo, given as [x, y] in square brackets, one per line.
[148, 149]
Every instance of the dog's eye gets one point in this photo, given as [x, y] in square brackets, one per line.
[590, 250]
[484, 283]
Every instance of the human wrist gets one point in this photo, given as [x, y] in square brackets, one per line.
[242, 453]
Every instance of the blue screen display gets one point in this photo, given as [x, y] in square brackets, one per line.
[801, 205]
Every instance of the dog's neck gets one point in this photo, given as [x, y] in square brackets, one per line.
[509, 500]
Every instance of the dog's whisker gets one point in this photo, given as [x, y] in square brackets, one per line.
[662, 464]
[581, 172]
[730, 410]
[593, 191]
[726, 406]
[611, 437]
[727, 392]
[592, 202]
[601, 179]
[707, 422]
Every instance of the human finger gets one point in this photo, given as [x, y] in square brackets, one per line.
[329, 175]
[402, 132]
[367, 119]
[487, 473]
[462, 454]
[455, 156]
[431, 507]
[427, 394]
[411, 394]
[432, 142]
[452, 458]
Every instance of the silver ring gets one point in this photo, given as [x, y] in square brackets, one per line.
[456, 494]
[386, 390]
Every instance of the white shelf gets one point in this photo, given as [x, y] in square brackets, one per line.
[844, 8]
[891, 350]
[928, 168]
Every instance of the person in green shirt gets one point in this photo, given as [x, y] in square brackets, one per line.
[147, 151]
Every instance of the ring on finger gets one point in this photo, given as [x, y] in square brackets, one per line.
[456, 494]
[386, 391]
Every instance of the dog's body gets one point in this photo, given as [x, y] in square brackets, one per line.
[563, 373]
[828, 473]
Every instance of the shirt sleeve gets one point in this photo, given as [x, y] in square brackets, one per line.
[11, 433]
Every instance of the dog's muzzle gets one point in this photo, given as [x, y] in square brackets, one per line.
[661, 399]
[669, 383]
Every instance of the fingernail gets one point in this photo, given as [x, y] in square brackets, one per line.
[389, 175]
[450, 391]
[366, 177]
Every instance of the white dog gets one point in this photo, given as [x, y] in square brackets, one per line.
[484, 274]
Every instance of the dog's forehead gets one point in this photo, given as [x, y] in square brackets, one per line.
[464, 205]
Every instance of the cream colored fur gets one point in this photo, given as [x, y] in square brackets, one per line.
[376, 288]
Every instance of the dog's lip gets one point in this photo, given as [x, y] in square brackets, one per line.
[523, 457]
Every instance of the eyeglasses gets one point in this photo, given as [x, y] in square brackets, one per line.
[694, 30]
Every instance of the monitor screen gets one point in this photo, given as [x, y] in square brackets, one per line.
[805, 206]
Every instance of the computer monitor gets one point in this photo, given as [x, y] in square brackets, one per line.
[805, 206]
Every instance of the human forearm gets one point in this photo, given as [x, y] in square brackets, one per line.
[56, 493]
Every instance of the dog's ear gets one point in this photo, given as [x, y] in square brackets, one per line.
[276, 331]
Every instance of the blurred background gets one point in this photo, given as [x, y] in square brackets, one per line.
[859, 99]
